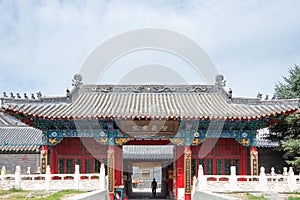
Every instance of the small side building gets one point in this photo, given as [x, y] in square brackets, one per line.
[269, 156]
[19, 145]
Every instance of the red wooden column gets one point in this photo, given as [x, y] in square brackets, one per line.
[243, 160]
[253, 161]
[187, 172]
[111, 171]
[118, 165]
[53, 160]
[179, 170]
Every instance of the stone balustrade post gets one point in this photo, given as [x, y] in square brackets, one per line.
[3, 173]
[285, 172]
[18, 178]
[106, 182]
[233, 179]
[195, 183]
[38, 170]
[28, 170]
[76, 177]
[202, 184]
[102, 177]
[47, 178]
[272, 171]
[263, 181]
[291, 180]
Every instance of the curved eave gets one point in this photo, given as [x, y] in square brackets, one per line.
[204, 106]
[15, 112]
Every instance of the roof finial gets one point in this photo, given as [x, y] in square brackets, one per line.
[267, 97]
[259, 95]
[39, 94]
[274, 97]
[229, 93]
[68, 94]
[32, 96]
[18, 96]
[4, 95]
[25, 96]
[12, 95]
[77, 80]
[220, 80]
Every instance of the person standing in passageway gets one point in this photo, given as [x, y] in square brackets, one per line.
[154, 186]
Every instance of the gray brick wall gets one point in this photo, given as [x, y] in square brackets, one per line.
[10, 161]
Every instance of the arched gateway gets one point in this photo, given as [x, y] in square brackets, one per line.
[204, 123]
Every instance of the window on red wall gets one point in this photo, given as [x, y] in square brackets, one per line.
[61, 166]
[208, 167]
[69, 166]
[88, 165]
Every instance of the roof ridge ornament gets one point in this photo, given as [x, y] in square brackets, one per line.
[259, 95]
[220, 80]
[230, 93]
[77, 80]
[39, 94]
[5, 95]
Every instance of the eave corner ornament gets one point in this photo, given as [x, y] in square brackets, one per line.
[77, 80]
[220, 80]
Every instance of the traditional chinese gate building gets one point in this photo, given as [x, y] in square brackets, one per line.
[205, 124]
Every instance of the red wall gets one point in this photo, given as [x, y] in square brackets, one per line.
[77, 148]
[213, 149]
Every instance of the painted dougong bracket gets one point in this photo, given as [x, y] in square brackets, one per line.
[101, 137]
[53, 138]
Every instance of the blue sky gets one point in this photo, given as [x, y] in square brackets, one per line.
[44, 43]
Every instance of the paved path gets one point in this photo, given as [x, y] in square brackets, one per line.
[274, 196]
[145, 195]
[212, 196]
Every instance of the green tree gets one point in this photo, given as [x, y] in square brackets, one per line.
[287, 131]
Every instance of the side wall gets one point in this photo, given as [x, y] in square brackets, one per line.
[10, 161]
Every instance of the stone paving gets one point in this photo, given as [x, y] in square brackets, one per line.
[274, 196]
[145, 195]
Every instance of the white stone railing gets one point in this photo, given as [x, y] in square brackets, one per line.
[50, 181]
[287, 182]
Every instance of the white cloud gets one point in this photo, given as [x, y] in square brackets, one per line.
[42, 44]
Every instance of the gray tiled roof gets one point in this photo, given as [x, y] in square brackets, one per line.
[266, 143]
[146, 152]
[262, 139]
[7, 120]
[20, 139]
[189, 101]
[17, 137]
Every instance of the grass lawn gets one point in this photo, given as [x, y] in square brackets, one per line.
[253, 197]
[293, 198]
[36, 195]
